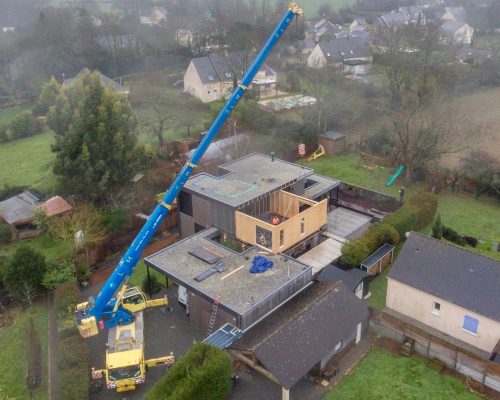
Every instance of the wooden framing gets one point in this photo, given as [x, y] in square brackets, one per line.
[297, 227]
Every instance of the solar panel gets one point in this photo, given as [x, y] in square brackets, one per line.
[205, 254]
[225, 336]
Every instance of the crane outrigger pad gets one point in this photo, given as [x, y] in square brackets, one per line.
[224, 337]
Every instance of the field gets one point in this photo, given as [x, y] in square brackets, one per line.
[13, 361]
[482, 106]
[311, 7]
[381, 375]
[27, 162]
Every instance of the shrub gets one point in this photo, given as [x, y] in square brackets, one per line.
[66, 297]
[5, 233]
[72, 351]
[357, 250]
[58, 272]
[403, 220]
[115, 221]
[202, 373]
[424, 206]
[23, 125]
[452, 235]
[471, 241]
[24, 272]
[153, 287]
[437, 228]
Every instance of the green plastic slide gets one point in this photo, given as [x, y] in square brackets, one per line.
[394, 176]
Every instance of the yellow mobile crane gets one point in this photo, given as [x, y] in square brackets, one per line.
[126, 365]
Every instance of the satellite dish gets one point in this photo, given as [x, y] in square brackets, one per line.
[79, 238]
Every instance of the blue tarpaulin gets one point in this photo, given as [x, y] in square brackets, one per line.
[260, 264]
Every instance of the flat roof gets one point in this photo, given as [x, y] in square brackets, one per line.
[323, 184]
[238, 289]
[246, 179]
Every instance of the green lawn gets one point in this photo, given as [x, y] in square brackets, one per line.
[348, 168]
[27, 162]
[140, 273]
[51, 249]
[8, 114]
[384, 376]
[311, 7]
[13, 361]
[378, 290]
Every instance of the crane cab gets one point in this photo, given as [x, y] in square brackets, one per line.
[135, 300]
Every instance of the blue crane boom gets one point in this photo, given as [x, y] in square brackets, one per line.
[103, 309]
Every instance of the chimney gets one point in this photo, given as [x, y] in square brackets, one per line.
[272, 156]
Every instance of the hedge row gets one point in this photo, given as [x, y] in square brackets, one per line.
[73, 362]
[202, 373]
[415, 214]
[357, 250]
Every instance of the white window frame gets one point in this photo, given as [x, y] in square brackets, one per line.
[436, 311]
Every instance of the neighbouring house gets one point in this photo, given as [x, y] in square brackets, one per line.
[106, 82]
[411, 15]
[213, 77]
[306, 336]
[454, 14]
[19, 212]
[352, 56]
[359, 24]
[56, 206]
[456, 32]
[333, 142]
[354, 279]
[306, 46]
[156, 16]
[473, 56]
[448, 288]
[321, 30]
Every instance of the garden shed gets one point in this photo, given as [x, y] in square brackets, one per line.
[333, 142]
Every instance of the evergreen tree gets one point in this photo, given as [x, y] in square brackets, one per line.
[48, 95]
[437, 228]
[96, 145]
[23, 273]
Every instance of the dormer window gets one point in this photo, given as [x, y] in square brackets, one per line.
[210, 77]
[228, 75]
[342, 53]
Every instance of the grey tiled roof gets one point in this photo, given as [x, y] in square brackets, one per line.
[469, 54]
[452, 273]
[351, 278]
[450, 27]
[298, 335]
[107, 82]
[344, 49]
[222, 68]
[19, 208]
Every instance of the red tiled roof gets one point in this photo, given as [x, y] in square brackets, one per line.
[55, 205]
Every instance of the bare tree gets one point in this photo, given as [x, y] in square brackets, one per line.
[426, 132]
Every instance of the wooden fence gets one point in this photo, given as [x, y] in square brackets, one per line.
[466, 360]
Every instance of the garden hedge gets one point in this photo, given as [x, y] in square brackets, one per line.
[417, 213]
[357, 250]
[73, 361]
[202, 373]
